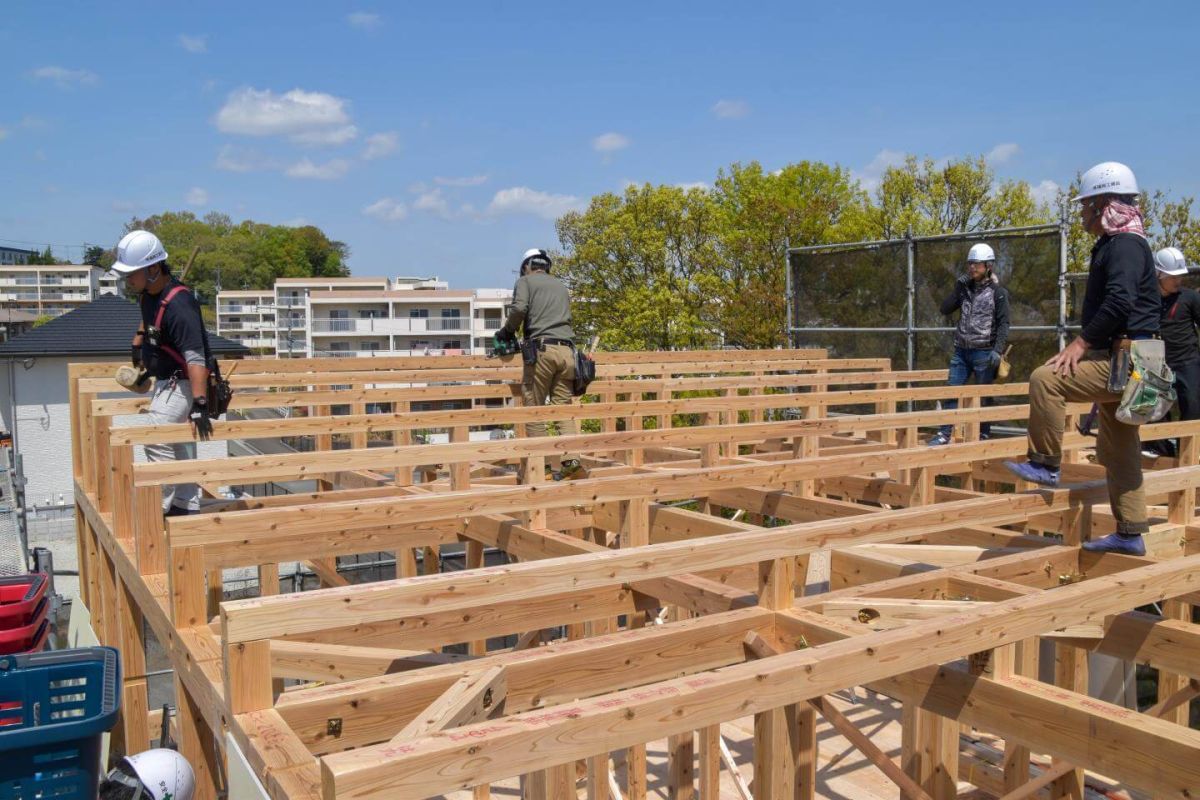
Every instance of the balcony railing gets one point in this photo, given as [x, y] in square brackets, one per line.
[386, 325]
[289, 301]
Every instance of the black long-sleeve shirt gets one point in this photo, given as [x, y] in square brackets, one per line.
[1122, 294]
[1180, 316]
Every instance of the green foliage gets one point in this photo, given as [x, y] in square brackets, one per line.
[663, 267]
[42, 320]
[248, 254]
[97, 256]
[44, 257]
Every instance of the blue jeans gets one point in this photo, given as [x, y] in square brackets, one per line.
[963, 364]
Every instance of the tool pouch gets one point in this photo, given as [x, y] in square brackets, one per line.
[1150, 392]
[529, 351]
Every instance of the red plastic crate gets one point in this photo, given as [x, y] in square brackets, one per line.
[26, 639]
[20, 596]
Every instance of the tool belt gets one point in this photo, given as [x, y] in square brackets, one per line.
[1139, 372]
[531, 347]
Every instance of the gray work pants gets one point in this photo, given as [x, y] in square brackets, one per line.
[171, 404]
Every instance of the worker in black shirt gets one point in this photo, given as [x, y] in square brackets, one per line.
[172, 345]
[1120, 306]
[1180, 316]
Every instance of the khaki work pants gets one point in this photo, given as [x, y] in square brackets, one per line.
[1118, 446]
[550, 379]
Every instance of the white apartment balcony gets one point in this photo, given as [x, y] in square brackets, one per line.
[251, 341]
[248, 325]
[432, 351]
[384, 325]
[245, 308]
[289, 302]
[488, 323]
[76, 296]
[18, 297]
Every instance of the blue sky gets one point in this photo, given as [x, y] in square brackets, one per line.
[443, 138]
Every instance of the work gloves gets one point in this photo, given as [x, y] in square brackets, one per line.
[135, 356]
[993, 359]
[201, 422]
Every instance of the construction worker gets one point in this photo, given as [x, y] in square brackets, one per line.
[542, 306]
[159, 774]
[1180, 315]
[981, 333]
[1120, 306]
[172, 346]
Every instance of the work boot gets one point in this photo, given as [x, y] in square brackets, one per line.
[176, 511]
[1127, 544]
[938, 439]
[571, 468]
[1033, 472]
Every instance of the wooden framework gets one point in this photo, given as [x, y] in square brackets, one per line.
[672, 590]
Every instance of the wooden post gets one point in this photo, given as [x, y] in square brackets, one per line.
[122, 500]
[197, 744]
[402, 438]
[710, 763]
[133, 729]
[929, 751]
[104, 477]
[1071, 673]
[1017, 659]
[148, 530]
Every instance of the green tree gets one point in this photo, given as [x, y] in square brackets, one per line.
[97, 256]
[956, 197]
[760, 214]
[641, 267]
[245, 254]
[42, 320]
[43, 258]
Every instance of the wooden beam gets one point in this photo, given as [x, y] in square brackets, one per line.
[470, 699]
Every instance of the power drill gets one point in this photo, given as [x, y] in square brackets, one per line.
[504, 344]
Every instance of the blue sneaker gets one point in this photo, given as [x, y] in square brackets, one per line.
[1127, 544]
[1033, 472]
[938, 439]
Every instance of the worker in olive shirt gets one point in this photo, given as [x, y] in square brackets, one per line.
[542, 305]
[1180, 316]
[172, 346]
[1120, 306]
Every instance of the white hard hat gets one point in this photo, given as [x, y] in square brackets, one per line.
[1109, 177]
[165, 774]
[981, 252]
[1170, 261]
[138, 250]
[536, 254]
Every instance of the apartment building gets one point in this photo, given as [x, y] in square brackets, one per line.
[52, 289]
[248, 318]
[362, 317]
[15, 255]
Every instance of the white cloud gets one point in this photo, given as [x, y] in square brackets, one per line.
[66, 78]
[3, 134]
[298, 222]
[304, 117]
[194, 44]
[197, 197]
[468, 180]
[364, 20]
[234, 159]
[434, 202]
[1003, 152]
[694, 185]
[329, 171]
[871, 174]
[381, 144]
[610, 142]
[730, 109]
[386, 209]
[523, 200]
[1045, 192]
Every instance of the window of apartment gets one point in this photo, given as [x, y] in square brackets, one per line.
[370, 346]
[340, 347]
[447, 313]
[452, 344]
[370, 314]
[339, 313]
[418, 313]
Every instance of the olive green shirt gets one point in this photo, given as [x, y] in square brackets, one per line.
[542, 302]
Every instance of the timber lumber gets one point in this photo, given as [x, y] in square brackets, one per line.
[748, 540]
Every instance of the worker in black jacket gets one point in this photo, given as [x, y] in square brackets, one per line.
[1180, 315]
[1120, 305]
[981, 333]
